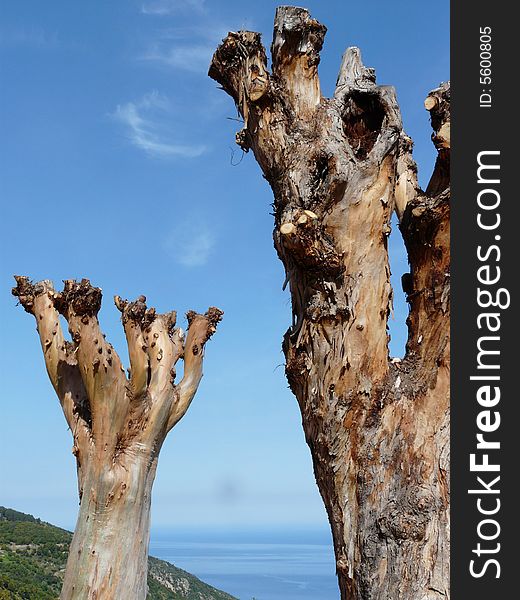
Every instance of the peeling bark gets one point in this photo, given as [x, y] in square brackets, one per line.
[118, 424]
[377, 427]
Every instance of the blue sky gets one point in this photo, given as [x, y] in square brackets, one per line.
[118, 164]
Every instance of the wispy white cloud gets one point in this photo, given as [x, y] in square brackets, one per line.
[147, 128]
[189, 48]
[189, 57]
[170, 7]
[191, 243]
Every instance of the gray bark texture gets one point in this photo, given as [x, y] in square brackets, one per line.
[118, 423]
[377, 428]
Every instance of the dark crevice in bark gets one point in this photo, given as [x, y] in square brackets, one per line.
[362, 121]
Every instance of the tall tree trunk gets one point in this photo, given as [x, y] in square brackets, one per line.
[109, 550]
[377, 427]
[118, 424]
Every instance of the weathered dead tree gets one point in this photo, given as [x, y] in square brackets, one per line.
[118, 424]
[377, 428]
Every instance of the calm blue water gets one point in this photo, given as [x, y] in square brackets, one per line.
[262, 565]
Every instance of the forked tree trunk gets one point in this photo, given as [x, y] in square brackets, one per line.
[118, 424]
[377, 428]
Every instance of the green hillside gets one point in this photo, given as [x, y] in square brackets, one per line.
[33, 556]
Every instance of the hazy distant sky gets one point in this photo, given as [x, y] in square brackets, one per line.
[118, 164]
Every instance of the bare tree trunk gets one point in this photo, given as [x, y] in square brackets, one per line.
[109, 551]
[378, 428]
[118, 424]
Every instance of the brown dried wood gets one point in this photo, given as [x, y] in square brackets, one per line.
[378, 429]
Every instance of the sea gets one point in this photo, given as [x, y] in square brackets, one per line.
[255, 565]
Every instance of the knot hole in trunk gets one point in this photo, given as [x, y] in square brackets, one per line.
[362, 116]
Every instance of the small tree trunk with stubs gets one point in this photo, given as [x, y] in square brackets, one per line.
[109, 550]
[118, 423]
[378, 428]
